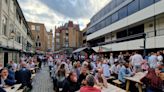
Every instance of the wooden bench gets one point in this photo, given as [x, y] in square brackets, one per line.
[117, 83]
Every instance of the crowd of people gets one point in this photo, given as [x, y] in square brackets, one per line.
[87, 73]
[18, 73]
[70, 75]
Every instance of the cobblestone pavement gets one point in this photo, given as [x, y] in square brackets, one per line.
[42, 81]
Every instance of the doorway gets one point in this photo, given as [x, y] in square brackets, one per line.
[5, 58]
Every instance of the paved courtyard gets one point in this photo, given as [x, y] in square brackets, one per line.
[42, 81]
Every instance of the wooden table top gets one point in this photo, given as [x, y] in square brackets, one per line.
[16, 87]
[112, 88]
[137, 77]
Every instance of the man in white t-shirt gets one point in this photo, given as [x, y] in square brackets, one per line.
[137, 61]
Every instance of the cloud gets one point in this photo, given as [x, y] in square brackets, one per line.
[57, 12]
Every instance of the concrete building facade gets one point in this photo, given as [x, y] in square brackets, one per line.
[15, 35]
[121, 25]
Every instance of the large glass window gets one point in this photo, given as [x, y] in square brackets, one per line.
[119, 2]
[145, 3]
[133, 7]
[115, 17]
[113, 4]
[108, 20]
[122, 13]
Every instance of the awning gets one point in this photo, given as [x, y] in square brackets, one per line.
[102, 49]
[79, 49]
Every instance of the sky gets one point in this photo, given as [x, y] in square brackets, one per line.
[58, 12]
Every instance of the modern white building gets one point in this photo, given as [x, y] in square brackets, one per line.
[15, 36]
[121, 25]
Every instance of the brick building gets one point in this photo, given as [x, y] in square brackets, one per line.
[40, 36]
[68, 36]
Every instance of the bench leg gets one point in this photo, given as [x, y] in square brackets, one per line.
[139, 87]
[127, 85]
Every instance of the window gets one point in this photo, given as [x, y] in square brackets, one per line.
[115, 17]
[4, 25]
[119, 2]
[122, 34]
[39, 44]
[18, 39]
[37, 28]
[157, 0]
[33, 27]
[122, 13]
[113, 4]
[145, 3]
[108, 21]
[133, 7]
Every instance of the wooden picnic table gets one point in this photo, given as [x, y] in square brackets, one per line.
[136, 78]
[15, 88]
[112, 88]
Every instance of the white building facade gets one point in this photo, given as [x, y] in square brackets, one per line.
[121, 25]
[15, 36]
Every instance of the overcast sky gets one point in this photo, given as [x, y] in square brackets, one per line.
[57, 12]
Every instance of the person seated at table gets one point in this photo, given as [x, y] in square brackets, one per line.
[90, 85]
[13, 64]
[5, 79]
[105, 67]
[23, 76]
[83, 76]
[71, 84]
[11, 72]
[115, 69]
[152, 81]
[124, 72]
[30, 64]
[100, 78]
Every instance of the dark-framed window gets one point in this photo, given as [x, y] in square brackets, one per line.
[108, 21]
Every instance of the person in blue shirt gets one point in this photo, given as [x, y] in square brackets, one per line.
[124, 72]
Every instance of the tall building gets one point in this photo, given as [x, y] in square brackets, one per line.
[122, 24]
[68, 36]
[50, 40]
[40, 36]
[15, 35]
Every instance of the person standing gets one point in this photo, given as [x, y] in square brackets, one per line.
[159, 58]
[111, 59]
[121, 58]
[137, 61]
[153, 60]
